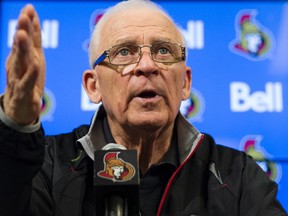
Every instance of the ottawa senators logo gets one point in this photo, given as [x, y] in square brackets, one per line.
[253, 41]
[251, 144]
[94, 19]
[116, 169]
[193, 108]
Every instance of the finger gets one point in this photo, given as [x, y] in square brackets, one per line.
[37, 36]
[20, 55]
[28, 48]
[30, 11]
[29, 79]
[22, 47]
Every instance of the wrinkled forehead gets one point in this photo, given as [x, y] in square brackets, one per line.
[141, 26]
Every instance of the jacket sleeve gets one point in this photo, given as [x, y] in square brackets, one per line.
[21, 157]
[259, 193]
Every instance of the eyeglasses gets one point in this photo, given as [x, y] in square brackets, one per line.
[125, 54]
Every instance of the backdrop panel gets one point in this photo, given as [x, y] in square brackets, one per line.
[238, 53]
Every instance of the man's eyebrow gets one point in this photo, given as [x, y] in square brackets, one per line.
[159, 40]
[130, 40]
[125, 40]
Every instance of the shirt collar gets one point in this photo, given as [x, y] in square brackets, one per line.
[172, 156]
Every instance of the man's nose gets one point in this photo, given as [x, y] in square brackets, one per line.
[146, 64]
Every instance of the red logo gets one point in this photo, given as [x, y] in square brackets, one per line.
[253, 40]
[94, 19]
[116, 169]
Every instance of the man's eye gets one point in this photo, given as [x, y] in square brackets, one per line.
[163, 51]
[123, 52]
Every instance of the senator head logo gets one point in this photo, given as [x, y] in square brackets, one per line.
[251, 145]
[116, 169]
[48, 105]
[194, 107]
[94, 19]
[253, 40]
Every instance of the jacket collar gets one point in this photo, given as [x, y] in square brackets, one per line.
[188, 135]
[94, 139]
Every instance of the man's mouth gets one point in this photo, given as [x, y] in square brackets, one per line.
[147, 94]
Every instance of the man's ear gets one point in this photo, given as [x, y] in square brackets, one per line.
[187, 83]
[91, 84]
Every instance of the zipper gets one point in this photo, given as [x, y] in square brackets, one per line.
[198, 142]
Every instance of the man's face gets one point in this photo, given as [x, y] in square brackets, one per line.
[117, 171]
[253, 41]
[147, 94]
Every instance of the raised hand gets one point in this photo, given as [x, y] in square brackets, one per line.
[25, 70]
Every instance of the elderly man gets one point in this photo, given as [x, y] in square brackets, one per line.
[138, 72]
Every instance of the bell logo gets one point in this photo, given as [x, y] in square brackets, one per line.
[243, 100]
[194, 34]
[49, 31]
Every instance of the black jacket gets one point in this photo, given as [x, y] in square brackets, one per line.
[213, 180]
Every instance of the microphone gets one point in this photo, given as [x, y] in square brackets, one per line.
[116, 181]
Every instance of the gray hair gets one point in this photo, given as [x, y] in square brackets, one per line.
[124, 5]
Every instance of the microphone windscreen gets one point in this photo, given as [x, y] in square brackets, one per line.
[116, 172]
[115, 146]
